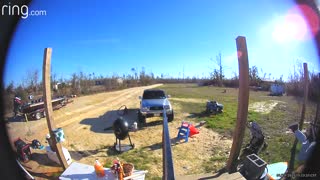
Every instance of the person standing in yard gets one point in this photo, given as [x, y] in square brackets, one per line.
[16, 105]
[307, 145]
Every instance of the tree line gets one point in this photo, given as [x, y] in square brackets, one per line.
[293, 86]
[82, 83]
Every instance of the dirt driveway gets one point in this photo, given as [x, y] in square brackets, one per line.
[86, 121]
[75, 115]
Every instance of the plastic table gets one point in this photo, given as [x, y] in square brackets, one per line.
[79, 171]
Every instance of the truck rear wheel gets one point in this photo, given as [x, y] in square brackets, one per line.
[37, 115]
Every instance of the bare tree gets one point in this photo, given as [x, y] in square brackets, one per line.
[255, 80]
[219, 63]
[8, 95]
[75, 84]
[135, 72]
[218, 75]
[31, 81]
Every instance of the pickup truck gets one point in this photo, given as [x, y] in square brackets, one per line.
[152, 103]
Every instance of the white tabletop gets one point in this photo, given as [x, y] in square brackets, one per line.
[77, 171]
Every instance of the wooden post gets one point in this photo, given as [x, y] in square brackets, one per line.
[303, 112]
[316, 119]
[46, 74]
[26, 117]
[305, 96]
[243, 102]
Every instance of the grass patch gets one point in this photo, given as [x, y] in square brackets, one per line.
[140, 157]
[56, 175]
[221, 122]
[72, 146]
[216, 162]
[273, 124]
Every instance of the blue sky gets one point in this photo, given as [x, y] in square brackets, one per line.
[111, 37]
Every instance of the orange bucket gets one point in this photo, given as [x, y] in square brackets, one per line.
[193, 130]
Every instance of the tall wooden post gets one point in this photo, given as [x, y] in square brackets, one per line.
[305, 95]
[46, 75]
[316, 119]
[303, 112]
[243, 102]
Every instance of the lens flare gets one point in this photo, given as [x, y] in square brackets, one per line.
[239, 53]
[298, 24]
[295, 26]
[311, 18]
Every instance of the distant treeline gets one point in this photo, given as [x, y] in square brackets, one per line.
[295, 84]
[84, 84]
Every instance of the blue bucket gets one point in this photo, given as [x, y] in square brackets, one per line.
[59, 134]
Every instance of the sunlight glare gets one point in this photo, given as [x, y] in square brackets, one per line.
[311, 18]
[299, 24]
[289, 28]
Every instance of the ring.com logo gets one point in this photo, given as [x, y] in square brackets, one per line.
[23, 10]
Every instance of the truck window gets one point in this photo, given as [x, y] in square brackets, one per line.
[154, 95]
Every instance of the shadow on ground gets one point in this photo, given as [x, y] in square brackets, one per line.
[15, 119]
[111, 151]
[152, 123]
[78, 155]
[103, 124]
[202, 114]
[198, 115]
[41, 166]
[174, 141]
[42, 159]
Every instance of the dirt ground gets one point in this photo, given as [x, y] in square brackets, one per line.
[86, 121]
[264, 107]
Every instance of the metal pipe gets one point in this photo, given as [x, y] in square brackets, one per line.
[168, 170]
[303, 112]
[28, 174]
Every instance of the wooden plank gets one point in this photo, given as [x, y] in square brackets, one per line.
[48, 105]
[243, 102]
[34, 167]
[216, 176]
[26, 172]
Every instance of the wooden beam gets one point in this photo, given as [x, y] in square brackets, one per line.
[316, 119]
[46, 78]
[243, 102]
[303, 112]
[305, 95]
